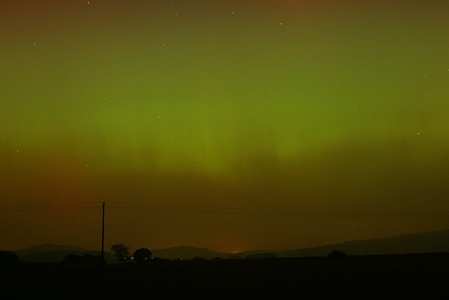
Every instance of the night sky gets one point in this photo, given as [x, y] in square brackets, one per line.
[229, 125]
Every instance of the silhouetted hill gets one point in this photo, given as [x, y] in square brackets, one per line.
[187, 252]
[48, 247]
[428, 242]
[55, 253]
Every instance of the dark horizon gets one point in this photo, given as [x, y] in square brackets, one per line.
[415, 243]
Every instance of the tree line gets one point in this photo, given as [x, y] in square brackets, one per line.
[122, 253]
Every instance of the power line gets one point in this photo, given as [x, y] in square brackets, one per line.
[220, 210]
[48, 206]
[275, 212]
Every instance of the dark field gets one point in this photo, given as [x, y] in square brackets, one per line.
[424, 276]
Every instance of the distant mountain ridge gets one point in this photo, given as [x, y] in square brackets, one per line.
[49, 253]
[49, 247]
[428, 242]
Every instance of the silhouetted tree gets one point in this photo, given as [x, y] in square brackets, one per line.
[8, 257]
[121, 252]
[142, 255]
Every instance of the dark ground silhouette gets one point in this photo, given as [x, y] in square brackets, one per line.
[8, 257]
[360, 277]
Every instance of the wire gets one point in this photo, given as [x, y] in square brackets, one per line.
[217, 210]
[274, 212]
[48, 206]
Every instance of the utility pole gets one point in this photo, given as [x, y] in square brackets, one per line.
[102, 240]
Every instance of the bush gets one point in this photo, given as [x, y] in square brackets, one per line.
[8, 257]
[337, 254]
[72, 259]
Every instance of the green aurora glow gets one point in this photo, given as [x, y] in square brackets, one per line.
[337, 106]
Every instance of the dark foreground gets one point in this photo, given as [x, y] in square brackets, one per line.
[366, 277]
